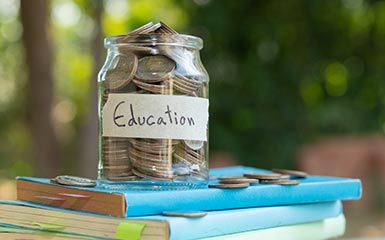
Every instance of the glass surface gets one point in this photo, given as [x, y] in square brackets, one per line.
[152, 64]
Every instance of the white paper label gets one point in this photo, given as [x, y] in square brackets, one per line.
[155, 116]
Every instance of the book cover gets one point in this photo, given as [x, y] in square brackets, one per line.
[116, 201]
[218, 223]
[18, 214]
[329, 228]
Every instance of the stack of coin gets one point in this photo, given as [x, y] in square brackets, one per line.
[152, 69]
[189, 155]
[116, 164]
[152, 158]
[184, 85]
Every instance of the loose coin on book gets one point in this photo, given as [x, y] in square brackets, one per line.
[238, 180]
[281, 182]
[229, 185]
[294, 173]
[263, 175]
[74, 181]
[185, 213]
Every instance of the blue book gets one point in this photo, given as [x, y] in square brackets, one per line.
[117, 200]
[218, 223]
[18, 216]
[329, 228]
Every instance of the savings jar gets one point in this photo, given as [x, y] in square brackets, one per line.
[153, 109]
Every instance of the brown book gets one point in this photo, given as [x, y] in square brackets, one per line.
[33, 219]
[108, 203]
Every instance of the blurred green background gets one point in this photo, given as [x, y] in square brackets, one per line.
[282, 74]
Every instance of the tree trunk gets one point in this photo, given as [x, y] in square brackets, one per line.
[88, 151]
[39, 59]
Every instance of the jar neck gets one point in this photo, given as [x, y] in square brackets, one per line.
[154, 39]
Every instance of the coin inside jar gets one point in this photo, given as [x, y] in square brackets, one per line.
[123, 68]
[194, 144]
[154, 68]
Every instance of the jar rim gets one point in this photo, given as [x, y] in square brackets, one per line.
[154, 39]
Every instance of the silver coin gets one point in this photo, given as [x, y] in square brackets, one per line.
[148, 156]
[229, 185]
[185, 213]
[187, 158]
[153, 143]
[180, 87]
[196, 153]
[227, 177]
[188, 81]
[114, 139]
[294, 173]
[122, 71]
[154, 68]
[164, 28]
[122, 178]
[269, 176]
[115, 151]
[281, 181]
[189, 154]
[238, 180]
[158, 151]
[194, 144]
[154, 169]
[117, 167]
[141, 29]
[158, 89]
[152, 175]
[75, 181]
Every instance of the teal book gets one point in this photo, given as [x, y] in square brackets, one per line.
[218, 223]
[18, 216]
[133, 200]
[329, 228]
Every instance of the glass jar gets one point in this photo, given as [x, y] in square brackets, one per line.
[153, 111]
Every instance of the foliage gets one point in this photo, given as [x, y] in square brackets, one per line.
[282, 73]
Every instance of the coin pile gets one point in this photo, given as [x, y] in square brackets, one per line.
[116, 164]
[152, 69]
[277, 176]
[152, 157]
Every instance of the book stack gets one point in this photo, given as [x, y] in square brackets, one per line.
[311, 209]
